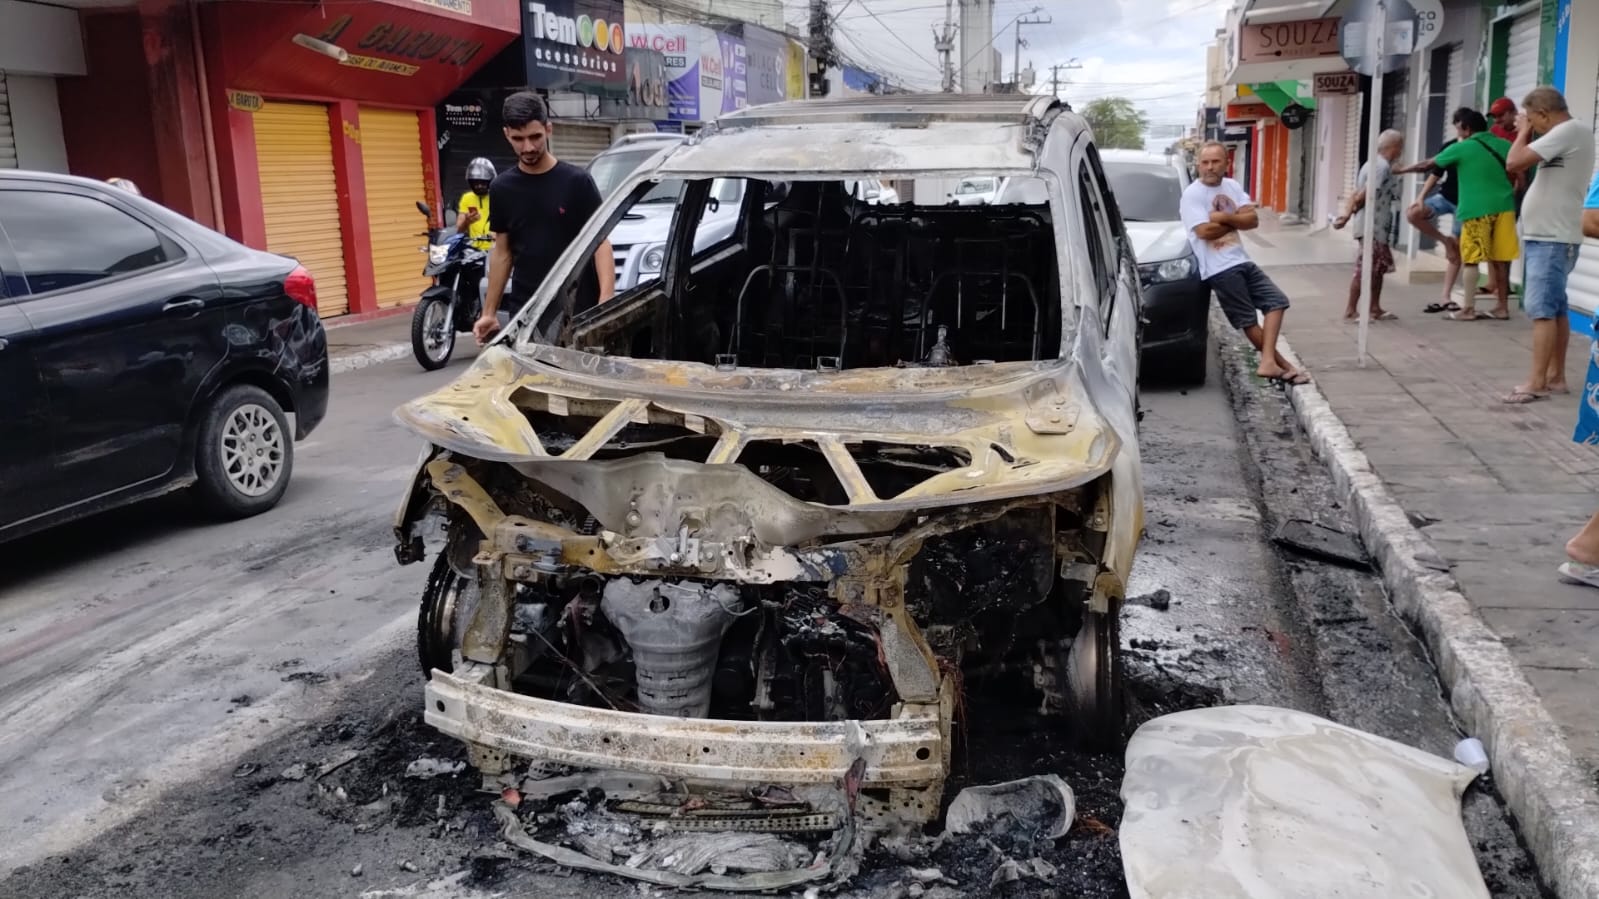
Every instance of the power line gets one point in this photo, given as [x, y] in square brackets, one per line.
[896, 37]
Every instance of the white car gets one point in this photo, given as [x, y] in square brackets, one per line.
[766, 517]
[975, 191]
[639, 240]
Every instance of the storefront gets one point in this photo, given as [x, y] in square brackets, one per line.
[1256, 157]
[38, 45]
[1274, 60]
[325, 132]
[303, 129]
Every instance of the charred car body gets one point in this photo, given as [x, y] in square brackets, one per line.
[765, 519]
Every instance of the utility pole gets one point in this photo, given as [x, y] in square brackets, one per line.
[821, 34]
[944, 43]
[1054, 75]
[1016, 64]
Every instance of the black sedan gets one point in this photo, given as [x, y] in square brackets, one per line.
[142, 353]
[1149, 190]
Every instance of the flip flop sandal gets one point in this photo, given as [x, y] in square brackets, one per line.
[1578, 573]
[1385, 317]
[1496, 318]
[1442, 307]
[1522, 398]
[1292, 379]
[1462, 316]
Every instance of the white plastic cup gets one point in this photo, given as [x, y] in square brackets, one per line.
[1470, 752]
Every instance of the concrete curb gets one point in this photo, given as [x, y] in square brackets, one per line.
[1554, 802]
[369, 357]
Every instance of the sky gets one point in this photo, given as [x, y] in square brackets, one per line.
[1149, 51]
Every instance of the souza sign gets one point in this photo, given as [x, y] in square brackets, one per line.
[575, 45]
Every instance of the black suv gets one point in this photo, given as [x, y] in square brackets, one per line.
[142, 353]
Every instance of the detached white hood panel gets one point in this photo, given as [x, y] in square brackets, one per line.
[1257, 802]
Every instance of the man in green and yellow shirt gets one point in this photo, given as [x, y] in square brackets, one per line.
[1487, 203]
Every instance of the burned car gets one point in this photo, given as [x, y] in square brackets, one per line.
[766, 519]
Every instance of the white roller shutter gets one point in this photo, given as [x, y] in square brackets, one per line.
[1351, 144]
[1521, 58]
[1582, 288]
[8, 140]
[578, 144]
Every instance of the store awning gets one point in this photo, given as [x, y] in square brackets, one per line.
[1283, 40]
[1280, 95]
[382, 51]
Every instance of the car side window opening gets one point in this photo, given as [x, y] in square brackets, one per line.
[1093, 216]
[810, 275]
[63, 240]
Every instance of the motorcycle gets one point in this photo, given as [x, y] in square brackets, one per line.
[454, 301]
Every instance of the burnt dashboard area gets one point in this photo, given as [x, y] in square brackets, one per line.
[814, 278]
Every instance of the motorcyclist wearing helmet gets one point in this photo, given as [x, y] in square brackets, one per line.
[124, 184]
[472, 212]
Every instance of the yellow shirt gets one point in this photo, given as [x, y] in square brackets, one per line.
[478, 232]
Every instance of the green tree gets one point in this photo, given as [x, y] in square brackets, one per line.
[1117, 123]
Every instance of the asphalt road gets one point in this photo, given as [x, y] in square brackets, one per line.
[129, 642]
[160, 674]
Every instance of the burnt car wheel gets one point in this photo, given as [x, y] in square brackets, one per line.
[447, 604]
[1094, 679]
[244, 454]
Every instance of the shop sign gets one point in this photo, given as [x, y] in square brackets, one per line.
[796, 70]
[393, 39]
[1248, 111]
[767, 80]
[466, 115]
[734, 72]
[1336, 84]
[646, 87]
[374, 64]
[575, 45]
[692, 56]
[244, 101]
[464, 7]
[1281, 41]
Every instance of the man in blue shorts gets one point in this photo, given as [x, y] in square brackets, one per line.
[1439, 195]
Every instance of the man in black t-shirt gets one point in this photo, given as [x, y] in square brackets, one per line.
[535, 211]
[1438, 198]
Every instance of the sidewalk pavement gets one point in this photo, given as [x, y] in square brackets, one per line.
[358, 343]
[1497, 490]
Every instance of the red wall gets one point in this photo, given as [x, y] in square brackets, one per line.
[105, 115]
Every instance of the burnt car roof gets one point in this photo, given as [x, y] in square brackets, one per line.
[925, 133]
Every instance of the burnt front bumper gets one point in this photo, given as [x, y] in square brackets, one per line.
[905, 751]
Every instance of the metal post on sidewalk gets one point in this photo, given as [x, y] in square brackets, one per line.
[1418, 61]
[1375, 38]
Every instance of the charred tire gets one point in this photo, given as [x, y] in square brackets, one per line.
[432, 333]
[447, 603]
[244, 453]
[1094, 680]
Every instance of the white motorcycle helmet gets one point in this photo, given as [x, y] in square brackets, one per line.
[124, 184]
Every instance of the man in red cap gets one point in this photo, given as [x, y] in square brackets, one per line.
[1503, 114]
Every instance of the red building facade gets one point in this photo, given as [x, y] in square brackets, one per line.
[301, 128]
